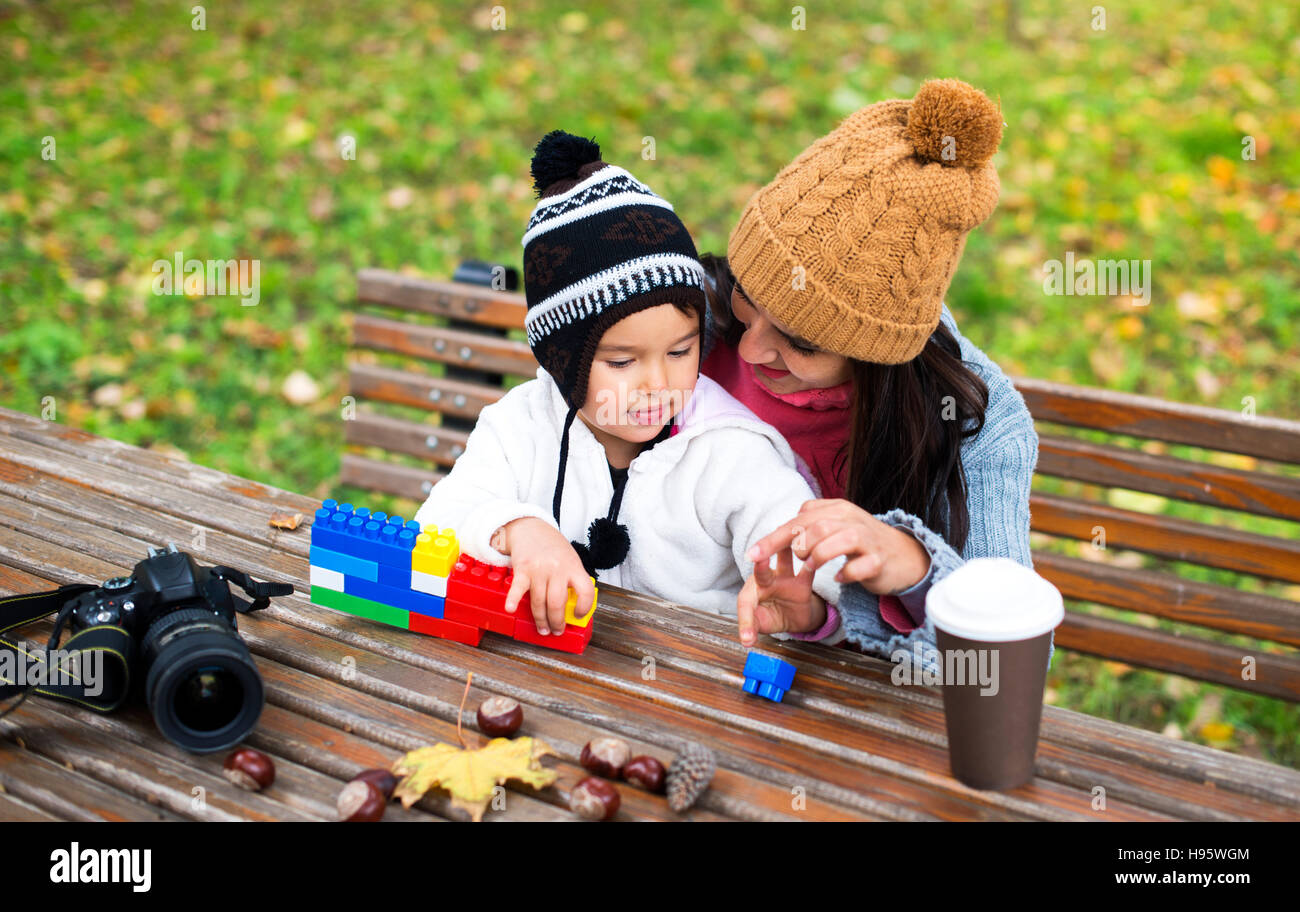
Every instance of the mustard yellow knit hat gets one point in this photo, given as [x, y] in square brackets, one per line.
[853, 245]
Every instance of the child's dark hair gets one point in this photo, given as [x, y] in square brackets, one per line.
[908, 422]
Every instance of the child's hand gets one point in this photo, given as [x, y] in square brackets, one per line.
[779, 601]
[546, 567]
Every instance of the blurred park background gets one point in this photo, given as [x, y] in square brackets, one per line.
[1128, 141]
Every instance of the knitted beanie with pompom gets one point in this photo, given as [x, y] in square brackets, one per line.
[853, 245]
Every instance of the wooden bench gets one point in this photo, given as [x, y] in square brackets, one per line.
[1088, 540]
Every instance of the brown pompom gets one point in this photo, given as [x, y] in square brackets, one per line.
[953, 123]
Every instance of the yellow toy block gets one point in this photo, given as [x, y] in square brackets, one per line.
[572, 604]
[435, 552]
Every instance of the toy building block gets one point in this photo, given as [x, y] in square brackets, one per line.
[427, 582]
[344, 563]
[390, 570]
[400, 577]
[572, 604]
[435, 552]
[351, 604]
[573, 639]
[406, 599]
[445, 629]
[473, 582]
[767, 676]
[326, 579]
[354, 530]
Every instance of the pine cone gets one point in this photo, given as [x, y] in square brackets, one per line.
[690, 774]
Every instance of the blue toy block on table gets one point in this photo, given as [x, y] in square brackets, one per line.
[767, 676]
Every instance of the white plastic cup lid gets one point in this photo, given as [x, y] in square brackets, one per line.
[995, 599]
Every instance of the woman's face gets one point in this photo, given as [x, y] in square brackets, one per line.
[780, 360]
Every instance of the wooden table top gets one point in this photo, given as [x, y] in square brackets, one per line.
[346, 694]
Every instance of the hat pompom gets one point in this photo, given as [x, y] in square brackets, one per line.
[953, 123]
[558, 157]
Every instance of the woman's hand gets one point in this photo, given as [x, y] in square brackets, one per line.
[546, 567]
[883, 559]
[779, 601]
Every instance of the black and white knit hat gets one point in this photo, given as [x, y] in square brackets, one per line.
[599, 247]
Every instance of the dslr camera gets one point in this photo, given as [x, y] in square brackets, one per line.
[189, 662]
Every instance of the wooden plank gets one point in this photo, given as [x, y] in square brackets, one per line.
[472, 303]
[14, 810]
[1276, 675]
[872, 701]
[1175, 422]
[577, 709]
[437, 394]
[1168, 596]
[78, 738]
[1183, 479]
[66, 794]
[398, 725]
[440, 445]
[53, 438]
[387, 477]
[445, 346]
[1167, 536]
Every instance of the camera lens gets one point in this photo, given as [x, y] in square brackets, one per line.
[208, 699]
[200, 682]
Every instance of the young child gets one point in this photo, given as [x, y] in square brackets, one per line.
[620, 459]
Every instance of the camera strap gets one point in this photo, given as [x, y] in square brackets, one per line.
[94, 664]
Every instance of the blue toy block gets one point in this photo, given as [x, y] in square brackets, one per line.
[347, 564]
[406, 599]
[770, 670]
[390, 575]
[357, 532]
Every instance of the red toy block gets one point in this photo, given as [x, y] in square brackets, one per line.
[445, 629]
[473, 582]
[475, 616]
[574, 639]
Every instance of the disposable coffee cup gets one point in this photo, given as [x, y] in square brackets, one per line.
[993, 622]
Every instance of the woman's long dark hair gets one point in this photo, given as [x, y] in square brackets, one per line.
[907, 424]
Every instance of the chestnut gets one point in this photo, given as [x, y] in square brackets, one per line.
[606, 757]
[500, 717]
[249, 769]
[594, 799]
[381, 779]
[361, 802]
[646, 772]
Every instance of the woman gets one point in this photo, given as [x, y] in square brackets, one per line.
[828, 321]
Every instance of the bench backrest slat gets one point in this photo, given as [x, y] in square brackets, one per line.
[457, 301]
[436, 394]
[446, 346]
[1156, 419]
[1274, 675]
[1183, 479]
[1168, 537]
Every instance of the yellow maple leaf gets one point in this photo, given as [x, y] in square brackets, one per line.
[470, 775]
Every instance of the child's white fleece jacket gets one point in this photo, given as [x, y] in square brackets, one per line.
[693, 504]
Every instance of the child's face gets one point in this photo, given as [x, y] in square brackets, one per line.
[642, 374]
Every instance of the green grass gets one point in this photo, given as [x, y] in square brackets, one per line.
[223, 143]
